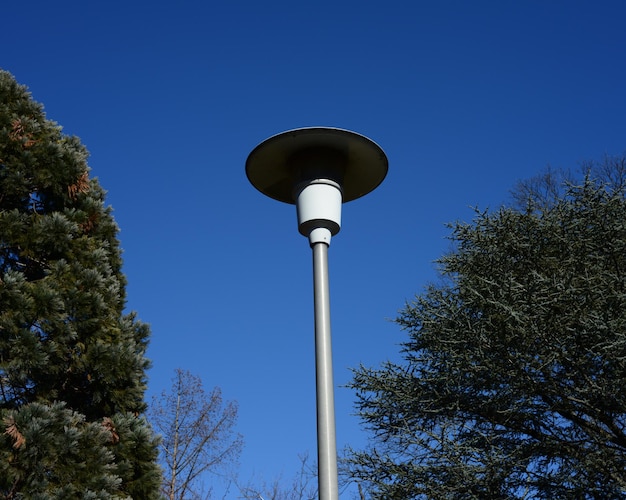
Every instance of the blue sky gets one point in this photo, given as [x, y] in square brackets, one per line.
[465, 97]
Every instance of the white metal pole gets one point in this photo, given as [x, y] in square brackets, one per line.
[326, 438]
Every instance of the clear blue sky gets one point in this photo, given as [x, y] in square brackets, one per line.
[465, 97]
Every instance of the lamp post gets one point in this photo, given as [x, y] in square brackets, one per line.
[318, 169]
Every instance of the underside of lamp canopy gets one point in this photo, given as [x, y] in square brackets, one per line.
[279, 164]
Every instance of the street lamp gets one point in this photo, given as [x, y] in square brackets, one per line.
[317, 169]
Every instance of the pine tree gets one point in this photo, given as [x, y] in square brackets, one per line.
[72, 362]
[512, 384]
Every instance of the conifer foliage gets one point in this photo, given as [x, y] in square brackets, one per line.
[72, 364]
[512, 384]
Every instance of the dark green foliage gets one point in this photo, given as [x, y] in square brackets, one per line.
[72, 365]
[49, 451]
[513, 380]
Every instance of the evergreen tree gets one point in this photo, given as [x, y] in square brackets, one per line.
[72, 365]
[512, 384]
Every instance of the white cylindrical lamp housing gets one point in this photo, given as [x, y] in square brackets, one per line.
[317, 169]
[318, 204]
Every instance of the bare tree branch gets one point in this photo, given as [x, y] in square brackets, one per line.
[198, 435]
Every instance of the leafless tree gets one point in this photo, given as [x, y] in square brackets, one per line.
[303, 486]
[198, 436]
